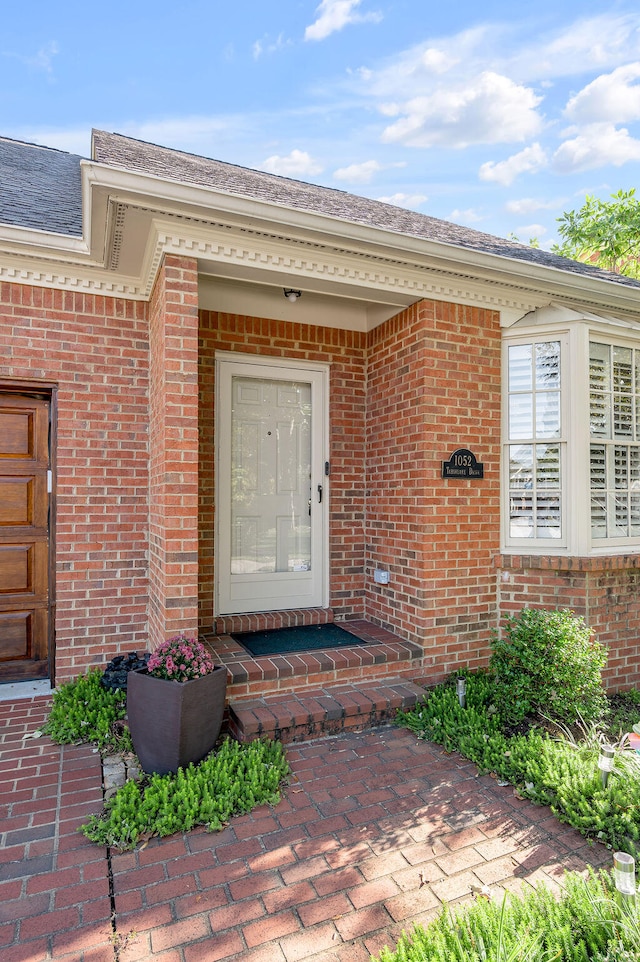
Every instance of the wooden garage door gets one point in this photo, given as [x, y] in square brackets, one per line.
[24, 538]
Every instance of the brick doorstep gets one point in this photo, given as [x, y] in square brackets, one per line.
[325, 711]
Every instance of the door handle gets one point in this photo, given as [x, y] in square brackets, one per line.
[319, 494]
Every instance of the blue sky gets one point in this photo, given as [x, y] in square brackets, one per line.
[497, 115]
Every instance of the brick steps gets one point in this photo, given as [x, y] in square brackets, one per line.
[383, 656]
[298, 716]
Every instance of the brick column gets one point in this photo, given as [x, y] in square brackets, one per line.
[173, 451]
[434, 386]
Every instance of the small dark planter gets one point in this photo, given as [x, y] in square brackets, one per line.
[174, 723]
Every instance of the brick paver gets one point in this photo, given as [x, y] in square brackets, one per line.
[374, 831]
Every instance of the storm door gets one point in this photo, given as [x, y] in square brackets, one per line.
[272, 486]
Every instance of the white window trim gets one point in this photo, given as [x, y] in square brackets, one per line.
[535, 545]
[606, 546]
[574, 379]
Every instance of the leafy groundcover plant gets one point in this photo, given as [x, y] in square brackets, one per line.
[587, 923]
[561, 772]
[590, 922]
[230, 781]
[84, 711]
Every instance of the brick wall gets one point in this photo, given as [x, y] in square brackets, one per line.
[173, 451]
[433, 388]
[604, 591]
[95, 348]
[346, 350]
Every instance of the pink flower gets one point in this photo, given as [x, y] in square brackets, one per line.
[180, 659]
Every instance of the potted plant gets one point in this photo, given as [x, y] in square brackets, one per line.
[175, 705]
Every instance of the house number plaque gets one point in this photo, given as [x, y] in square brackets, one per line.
[462, 464]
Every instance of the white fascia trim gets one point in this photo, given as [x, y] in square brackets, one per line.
[480, 264]
[17, 239]
[561, 314]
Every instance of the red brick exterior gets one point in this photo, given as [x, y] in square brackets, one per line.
[173, 451]
[134, 481]
[96, 350]
[433, 388]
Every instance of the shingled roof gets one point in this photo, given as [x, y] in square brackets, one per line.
[175, 165]
[40, 188]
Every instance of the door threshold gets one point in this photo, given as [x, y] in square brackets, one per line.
[12, 691]
[265, 620]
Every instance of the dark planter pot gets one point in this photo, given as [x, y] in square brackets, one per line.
[174, 723]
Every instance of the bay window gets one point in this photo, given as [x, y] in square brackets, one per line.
[571, 439]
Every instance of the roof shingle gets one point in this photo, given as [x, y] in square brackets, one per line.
[175, 165]
[40, 188]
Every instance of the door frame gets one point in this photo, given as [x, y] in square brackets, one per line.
[272, 366]
[45, 391]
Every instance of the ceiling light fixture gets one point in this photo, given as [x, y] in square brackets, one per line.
[292, 295]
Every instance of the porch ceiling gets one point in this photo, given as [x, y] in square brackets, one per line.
[251, 296]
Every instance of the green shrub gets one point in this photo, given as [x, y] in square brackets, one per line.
[228, 782]
[548, 662]
[586, 923]
[84, 711]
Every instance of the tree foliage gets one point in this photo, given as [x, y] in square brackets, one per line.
[605, 233]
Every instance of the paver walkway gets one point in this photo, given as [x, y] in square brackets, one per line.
[375, 831]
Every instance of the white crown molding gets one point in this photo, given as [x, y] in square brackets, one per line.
[366, 276]
[68, 277]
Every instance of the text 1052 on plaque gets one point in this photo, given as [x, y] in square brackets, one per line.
[462, 464]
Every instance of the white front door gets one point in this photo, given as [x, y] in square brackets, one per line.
[272, 486]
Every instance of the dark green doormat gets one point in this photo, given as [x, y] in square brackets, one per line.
[305, 638]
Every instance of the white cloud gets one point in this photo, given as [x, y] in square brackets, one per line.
[491, 109]
[334, 15]
[358, 173]
[585, 44]
[438, 60]
[529, 205]
[512, 50]
[596, 145]
[468, 216]
[41, 60]
[504, 172]
[613, 98]
[267, 46]
[364, 172]
[416, 69]
[410, 201]
[297, 164]
[531, 230]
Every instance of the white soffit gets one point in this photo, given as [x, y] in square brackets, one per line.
[231, 296]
